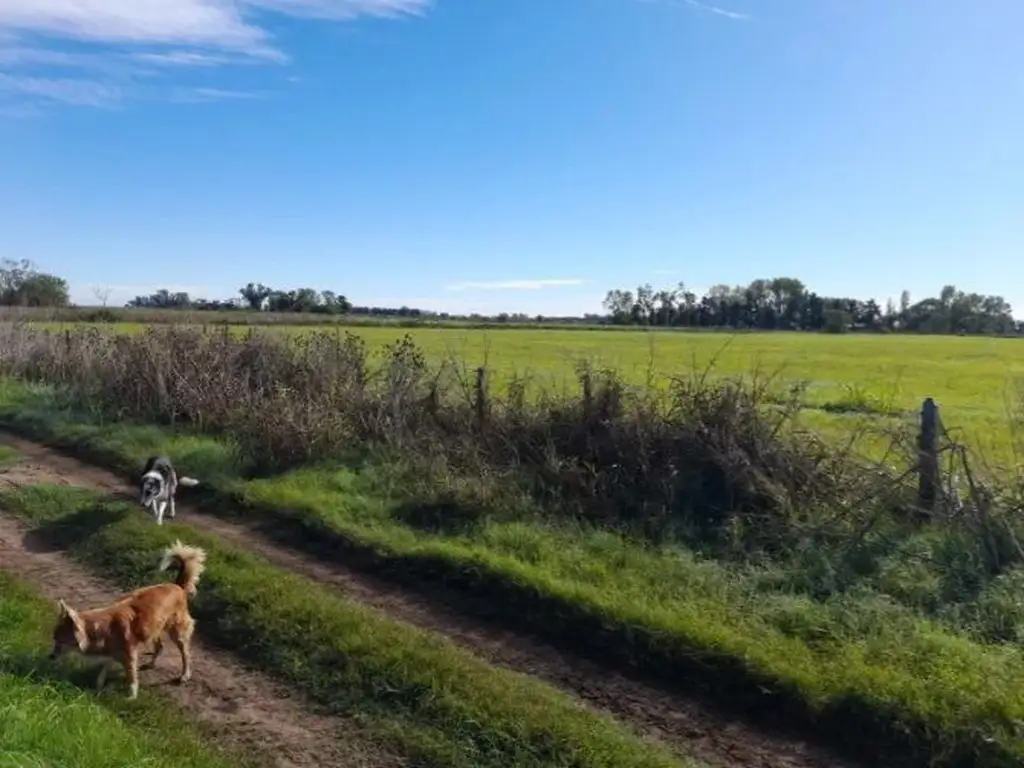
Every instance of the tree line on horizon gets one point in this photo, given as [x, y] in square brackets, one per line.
[785, 303]
[781, 303]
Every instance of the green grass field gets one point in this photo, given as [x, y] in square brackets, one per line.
[46, 720]
[977, 382]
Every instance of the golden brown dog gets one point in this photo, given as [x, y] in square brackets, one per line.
[137, 621]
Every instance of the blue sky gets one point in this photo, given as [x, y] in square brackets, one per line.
[475, 155]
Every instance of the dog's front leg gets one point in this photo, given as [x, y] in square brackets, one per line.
[160, 507]
[171, 512]
[131, 670]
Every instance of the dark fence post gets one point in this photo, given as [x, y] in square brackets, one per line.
[481, 396]
[928, 456]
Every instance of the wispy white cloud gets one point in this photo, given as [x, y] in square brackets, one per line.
[19, 57]
[515, 285]
[220, 24]
[186, 59]
[72, 91]
[715, 10]
[718, 11]
[206, 95]
[118, 37]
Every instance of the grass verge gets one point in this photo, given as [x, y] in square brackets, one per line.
[857, 668]
[47, 720]
[438, 704]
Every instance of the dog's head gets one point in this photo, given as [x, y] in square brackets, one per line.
[151, 487]
[69, 634]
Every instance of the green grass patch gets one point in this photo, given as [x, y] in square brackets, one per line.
[8, 456]
[414, 690]
[45, 719]
[854, 667]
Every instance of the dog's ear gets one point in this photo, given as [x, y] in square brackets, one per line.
[63, 608]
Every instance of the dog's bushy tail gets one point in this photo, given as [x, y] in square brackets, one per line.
[191, 562]
[188, 482]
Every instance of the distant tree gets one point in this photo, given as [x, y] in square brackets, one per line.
[102, 294]
[41, 290]
[837, 321]
[163, 299]
[619, 305]
[665, 308]
[255, 295]
[23, 285]
[332, 303]
[869, 315]
[643, 308]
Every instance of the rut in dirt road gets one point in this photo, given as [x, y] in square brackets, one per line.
[246, 710]
[673, 719]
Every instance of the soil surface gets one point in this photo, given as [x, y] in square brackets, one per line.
[685, 724]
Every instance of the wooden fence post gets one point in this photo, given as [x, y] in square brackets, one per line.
[481, 396]
[928, 456]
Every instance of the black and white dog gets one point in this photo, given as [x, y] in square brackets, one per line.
[158, 486]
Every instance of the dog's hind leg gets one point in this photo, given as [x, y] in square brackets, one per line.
[158, 646]
[181, 635]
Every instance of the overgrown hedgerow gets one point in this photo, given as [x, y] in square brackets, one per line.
[711, 464]
[719, 465]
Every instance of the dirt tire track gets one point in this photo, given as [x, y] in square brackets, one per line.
[245, 710]
[672, 719]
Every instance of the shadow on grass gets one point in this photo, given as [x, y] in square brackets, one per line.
[446, 517]
[63, 533]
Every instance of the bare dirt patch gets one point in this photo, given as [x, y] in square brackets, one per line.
[686, 724]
